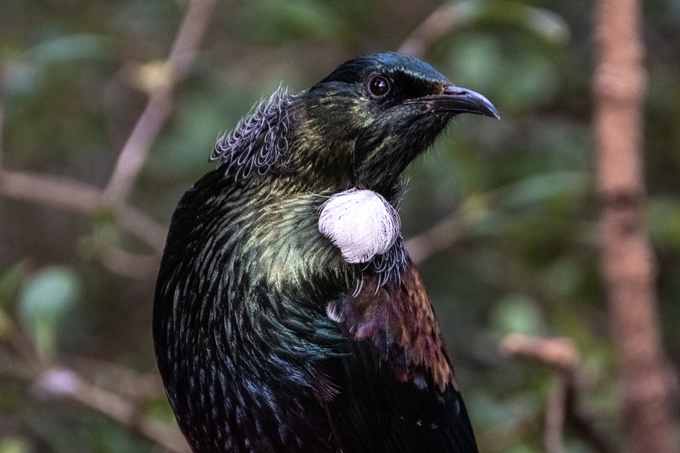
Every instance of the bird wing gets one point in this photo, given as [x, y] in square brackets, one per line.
[396, 389]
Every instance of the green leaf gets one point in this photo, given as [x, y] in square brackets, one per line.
[43, 302]
[517, 314]
[70, 49]
[299, 19]
[14, 445]
[663, 222]
[535, 190]
[10, 281]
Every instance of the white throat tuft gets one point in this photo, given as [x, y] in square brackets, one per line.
[361, 223]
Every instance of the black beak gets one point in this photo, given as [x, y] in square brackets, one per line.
[458, 100]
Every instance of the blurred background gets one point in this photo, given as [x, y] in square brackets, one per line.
[501, 215]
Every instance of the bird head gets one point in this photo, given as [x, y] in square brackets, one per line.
[373, 115]
[359, 127]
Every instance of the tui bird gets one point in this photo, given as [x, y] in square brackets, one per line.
[288, 316]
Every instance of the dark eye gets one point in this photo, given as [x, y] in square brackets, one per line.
[379, 86]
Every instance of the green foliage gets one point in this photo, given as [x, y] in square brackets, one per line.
[43, 302]
[297, 19]
[517, 314]
[14, 446]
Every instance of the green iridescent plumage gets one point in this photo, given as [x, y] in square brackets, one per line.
[267, 338]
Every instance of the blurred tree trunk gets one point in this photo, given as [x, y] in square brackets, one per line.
[627, 261]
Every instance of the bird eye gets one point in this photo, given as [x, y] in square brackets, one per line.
[379, 86]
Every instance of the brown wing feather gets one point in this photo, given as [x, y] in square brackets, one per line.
[397, 388]
[399, 321]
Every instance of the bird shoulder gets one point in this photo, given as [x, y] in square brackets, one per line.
[398, 321]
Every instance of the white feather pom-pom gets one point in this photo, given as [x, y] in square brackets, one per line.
[361, 223]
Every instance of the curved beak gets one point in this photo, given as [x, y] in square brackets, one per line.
[458, 100]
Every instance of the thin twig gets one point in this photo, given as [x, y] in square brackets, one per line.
[130, 265]
[563, 406]
[558, 353]
[52, 380]
[143, 227]
[83, 198]
[585, 423]
[119, 379]
[79, 197]
[439, 237]
[555, 414]
[63, 382]
[451, 228]
[160, 103]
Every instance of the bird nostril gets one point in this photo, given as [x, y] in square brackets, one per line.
[455, 91]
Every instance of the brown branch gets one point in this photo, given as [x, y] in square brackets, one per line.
[21, 362]
[143, 227]
[439, 237]
[86, 199]
[130, 265]
[117, 378]
[563, 405]
[558, 353]
[450, 229]
[160, 103]
[555, 414]
[79, 197]
[585, 423]
[63, 382]
[627, 263]
[60, 192]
